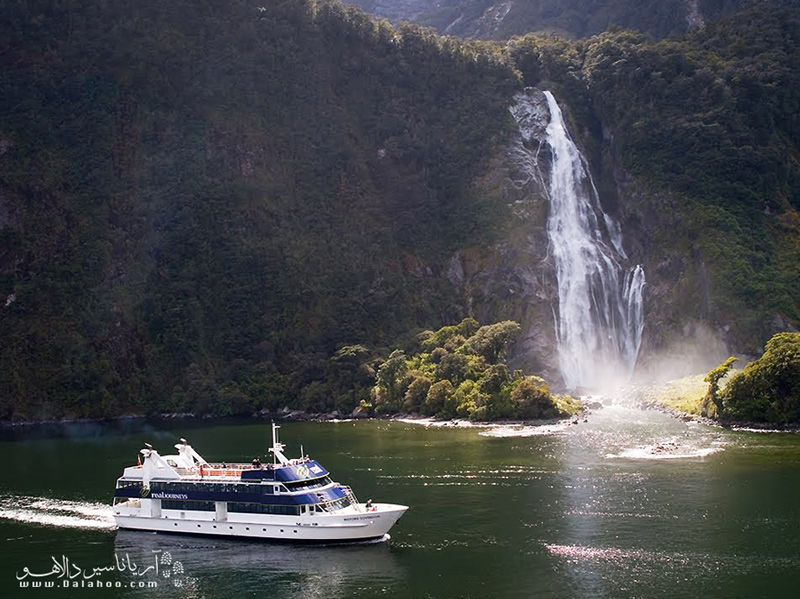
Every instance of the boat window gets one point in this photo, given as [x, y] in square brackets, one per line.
[127, 484]
[260, 508]
[315, 483]
[338, 504]
[170, 504]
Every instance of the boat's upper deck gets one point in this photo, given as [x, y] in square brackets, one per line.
[296, 470]
[189, 465]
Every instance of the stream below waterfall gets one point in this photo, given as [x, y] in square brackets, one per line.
[629, 503]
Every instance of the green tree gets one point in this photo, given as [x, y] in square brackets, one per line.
[768, 389]
[492, 341]
[531, 399]
[453, 367]
[416, 394]
[391, 381]
[713, 379]
[438, 394]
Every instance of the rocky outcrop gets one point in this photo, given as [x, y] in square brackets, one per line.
[694, 18]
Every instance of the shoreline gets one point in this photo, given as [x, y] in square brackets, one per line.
[682, 399]
[755, 427]
[284, 415]
[289, 415]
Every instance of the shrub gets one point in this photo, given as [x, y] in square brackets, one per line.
[531, 398]
[438, 393]
[767, 390]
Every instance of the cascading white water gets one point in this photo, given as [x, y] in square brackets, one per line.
[600, 316]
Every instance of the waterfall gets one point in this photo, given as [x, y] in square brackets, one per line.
[600, 313]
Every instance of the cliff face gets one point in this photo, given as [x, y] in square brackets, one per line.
[516, 277]
[224, 209]
[683, 152]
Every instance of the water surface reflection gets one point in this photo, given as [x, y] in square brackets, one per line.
[243, 568]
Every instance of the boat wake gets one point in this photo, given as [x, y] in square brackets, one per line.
[56, 512]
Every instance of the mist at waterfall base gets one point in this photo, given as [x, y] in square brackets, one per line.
[600, 313]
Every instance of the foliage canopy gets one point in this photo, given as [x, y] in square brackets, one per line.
[452, 376]
[767, 390]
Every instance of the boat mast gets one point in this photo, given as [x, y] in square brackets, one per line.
[277, 447]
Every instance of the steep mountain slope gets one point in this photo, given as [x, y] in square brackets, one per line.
[223, 208]
[202, 203]
[490, 19]
[694, 144]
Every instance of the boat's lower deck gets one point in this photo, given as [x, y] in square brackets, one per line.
[346, 526]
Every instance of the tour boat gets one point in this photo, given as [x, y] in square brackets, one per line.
[288, 500]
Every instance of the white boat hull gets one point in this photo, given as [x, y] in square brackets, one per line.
[349, 525]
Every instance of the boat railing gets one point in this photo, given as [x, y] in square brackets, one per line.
[229, 466]
[348, 492]
[334, 505]
[232, 471]
[185, 471]
[229, 470]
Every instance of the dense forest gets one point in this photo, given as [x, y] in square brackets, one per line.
[223, 208]
[202, 202]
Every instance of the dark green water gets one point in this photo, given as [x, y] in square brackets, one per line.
[629, 504]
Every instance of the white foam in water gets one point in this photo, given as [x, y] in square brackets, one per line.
[493, 430]
[763, 430]
[440, 423]
[665, 450]
[56, 512]
[518, 430]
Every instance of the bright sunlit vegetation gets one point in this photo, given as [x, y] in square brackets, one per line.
[460, 371]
